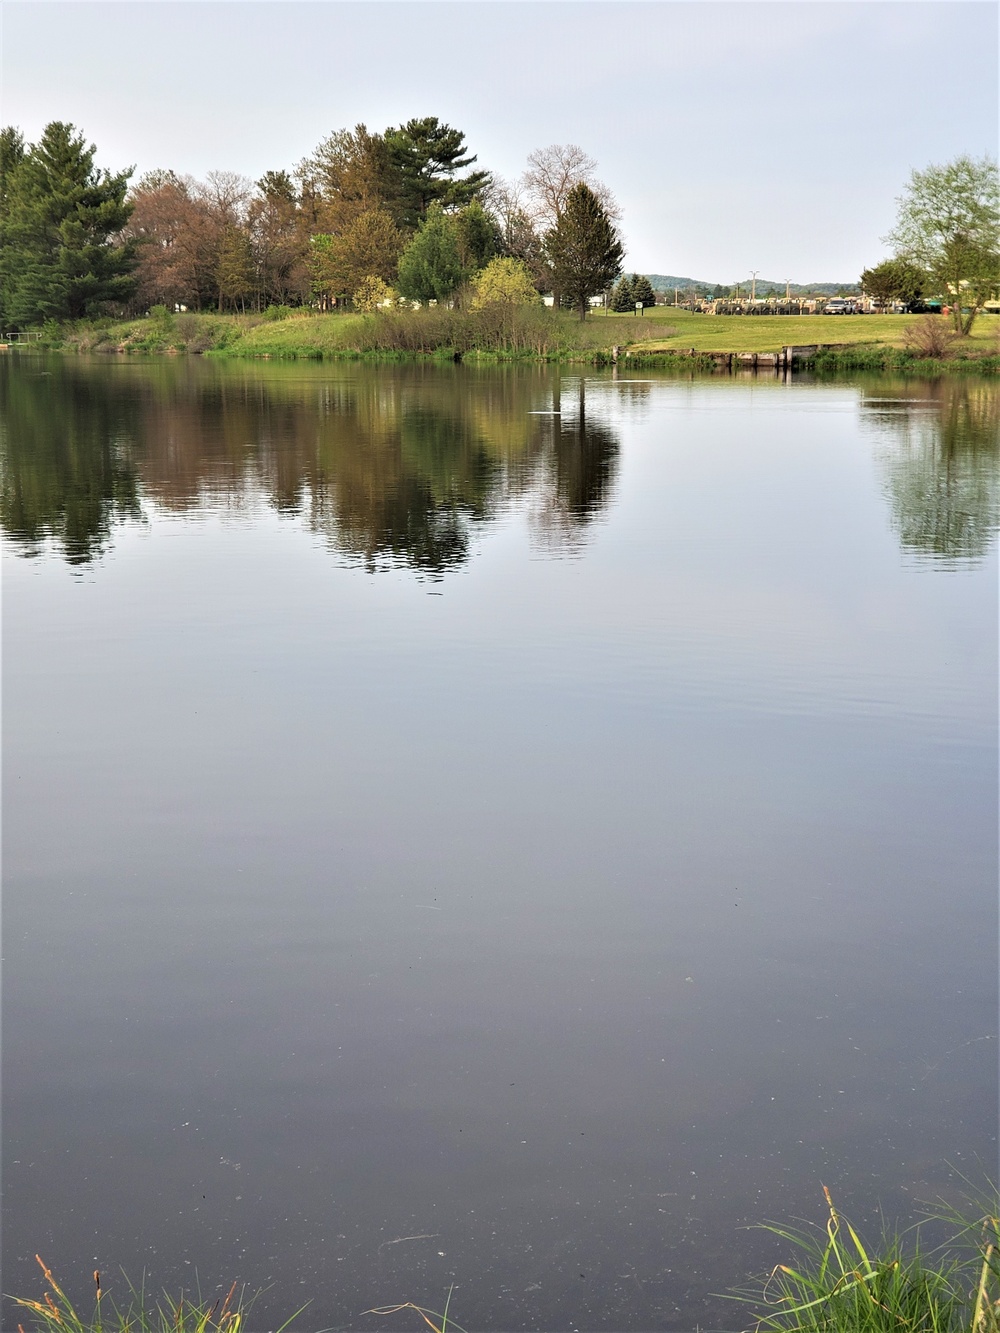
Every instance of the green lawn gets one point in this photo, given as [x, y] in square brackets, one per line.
[769, 333]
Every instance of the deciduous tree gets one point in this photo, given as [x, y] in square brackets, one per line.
[175, 241]
[234, 270]
[370, 247]
[350, 173]
[479, 238]
[279, 240]
[373, 294]
[949, 224]
[520, 237]
[552, 174]
[504, 281]
[430, 268]
[894, 280]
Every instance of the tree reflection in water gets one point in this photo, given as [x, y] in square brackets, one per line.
[404, 465]
[938, 448]
[393, 467]
[68, 469]
[579, 471]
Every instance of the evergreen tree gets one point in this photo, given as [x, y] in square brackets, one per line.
[583, 248]
[642, 290]
[430, 268]
[60, 253]
[426, 154]
[11, 157]
[622, 299]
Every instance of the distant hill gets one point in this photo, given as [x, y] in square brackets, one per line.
[666, 282]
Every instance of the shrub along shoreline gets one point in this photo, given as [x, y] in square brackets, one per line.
[688, 342]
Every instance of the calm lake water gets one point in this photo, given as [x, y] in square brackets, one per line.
[451, 842]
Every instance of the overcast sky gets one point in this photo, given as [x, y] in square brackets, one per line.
[736, 136]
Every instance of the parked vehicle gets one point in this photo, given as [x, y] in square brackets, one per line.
[838, 306]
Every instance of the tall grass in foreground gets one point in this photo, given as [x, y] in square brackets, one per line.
[840, 1285]
[56, 1313]
[438, 1323]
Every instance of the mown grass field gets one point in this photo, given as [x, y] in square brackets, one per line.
[769, 333]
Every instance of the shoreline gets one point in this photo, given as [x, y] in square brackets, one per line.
[688, 343]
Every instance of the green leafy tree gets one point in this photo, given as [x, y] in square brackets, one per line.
[583, 248]
[373, 294]
[234, 270]
[949, 224]
[430, 268]
[622, 299]
[426, 154]
[370, 247]
[61, 256]
[642, 290]
[894, 280]
[479, 237]
[504, 281]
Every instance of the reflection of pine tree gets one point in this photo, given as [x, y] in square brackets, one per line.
[68, 472]
[940, 467]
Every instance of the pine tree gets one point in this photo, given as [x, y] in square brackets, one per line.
[60, 253]
[583, 248]
[426, 153]
[642, 290]
[622, 299]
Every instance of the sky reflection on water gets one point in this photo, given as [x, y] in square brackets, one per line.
[619, 894]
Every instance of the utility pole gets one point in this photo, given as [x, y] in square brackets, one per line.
[753, 283]
[788, 286]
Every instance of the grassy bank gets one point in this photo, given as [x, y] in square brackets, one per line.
[833, 1282]
[663, 337]
[531, 334]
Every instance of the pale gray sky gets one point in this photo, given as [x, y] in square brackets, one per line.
[737, 136]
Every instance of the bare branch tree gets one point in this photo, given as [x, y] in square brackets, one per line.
[552, 172]
[228, 194]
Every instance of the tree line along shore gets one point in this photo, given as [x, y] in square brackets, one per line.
[395, 243]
